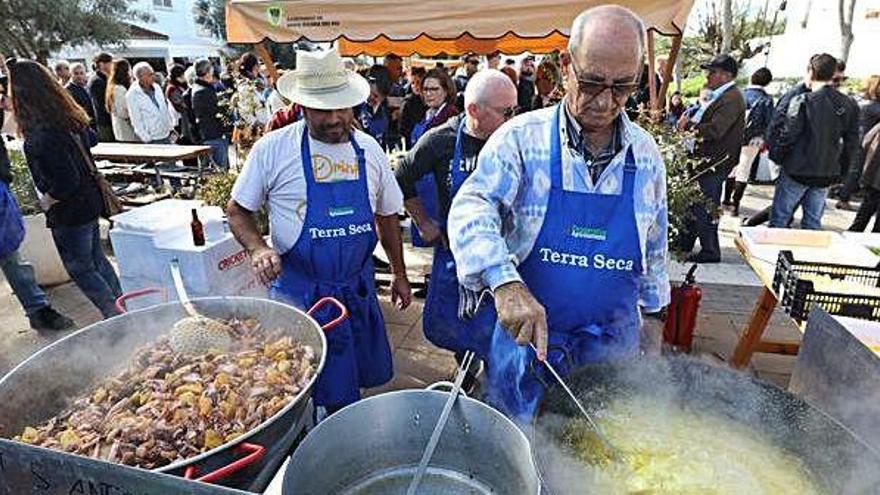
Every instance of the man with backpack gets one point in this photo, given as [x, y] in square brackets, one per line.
[809, 135]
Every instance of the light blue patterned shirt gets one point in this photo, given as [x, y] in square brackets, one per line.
[498, 212]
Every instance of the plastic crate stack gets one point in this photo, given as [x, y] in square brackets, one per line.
[798, 294]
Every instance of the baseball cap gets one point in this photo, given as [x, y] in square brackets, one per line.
[722, 62]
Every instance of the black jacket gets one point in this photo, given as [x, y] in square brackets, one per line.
[205, 110]
[82, 98]
[412, 111]
[59, 169]
[97, 91]
[818, 128]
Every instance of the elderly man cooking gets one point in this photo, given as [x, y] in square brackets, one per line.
[330, 191]
[565, 220]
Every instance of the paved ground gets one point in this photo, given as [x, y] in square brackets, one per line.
[729, 292]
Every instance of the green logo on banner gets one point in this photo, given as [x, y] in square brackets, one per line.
[275, 15]
[587, 233]
[341, 211]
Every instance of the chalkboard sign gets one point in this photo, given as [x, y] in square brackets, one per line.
[25, 469]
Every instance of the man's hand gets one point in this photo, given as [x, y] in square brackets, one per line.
[522, 316]
[431, 233]
[47, 202]
[266, 264]
[401, 293]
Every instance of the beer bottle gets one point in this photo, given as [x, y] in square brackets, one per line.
[198, 231]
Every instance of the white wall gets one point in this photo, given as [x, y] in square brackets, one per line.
[790, 52]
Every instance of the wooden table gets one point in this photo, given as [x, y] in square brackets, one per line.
[147, 153]
[762, 260]
[751, 341]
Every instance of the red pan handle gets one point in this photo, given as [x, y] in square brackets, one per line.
[254, 452]
[120, 302]
[343, 312]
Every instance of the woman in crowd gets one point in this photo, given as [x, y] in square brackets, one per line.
[181, 109]
[179, 96]
[117, 87]
[374, 115]
[870, 126]
[439, 94]
[57, 140]
[675, 109]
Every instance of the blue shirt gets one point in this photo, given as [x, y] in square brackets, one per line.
[498, 212]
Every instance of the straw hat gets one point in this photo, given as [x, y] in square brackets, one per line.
[321, 81]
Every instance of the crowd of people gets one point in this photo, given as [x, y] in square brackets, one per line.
[529, 181]
[816, 138]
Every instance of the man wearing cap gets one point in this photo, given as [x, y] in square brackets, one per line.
[330, 193]
[564, 220]
[719, 128]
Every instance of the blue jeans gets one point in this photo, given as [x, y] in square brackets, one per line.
[20, 275]
[84, 259]
[789, 193]
[219, 152]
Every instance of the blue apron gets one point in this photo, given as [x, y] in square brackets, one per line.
[440, 320]
[333, 257]
[584, 269]
[426, 189]
[11, 222]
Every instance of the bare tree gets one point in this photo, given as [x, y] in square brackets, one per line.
[846, 10]
[727, 25]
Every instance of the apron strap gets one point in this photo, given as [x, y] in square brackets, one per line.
[556, 150]
[456, 173]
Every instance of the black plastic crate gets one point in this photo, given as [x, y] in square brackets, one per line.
[798, 296]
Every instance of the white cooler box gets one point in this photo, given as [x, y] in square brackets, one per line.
[147, 239]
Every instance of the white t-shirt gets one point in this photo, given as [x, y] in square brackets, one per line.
[273, 174]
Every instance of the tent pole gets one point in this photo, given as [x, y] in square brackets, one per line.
[652, 83]
[263, 52]
[670, 65]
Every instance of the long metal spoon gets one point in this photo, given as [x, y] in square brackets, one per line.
[614, 451]
[441, 423]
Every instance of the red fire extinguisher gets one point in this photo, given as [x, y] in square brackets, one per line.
[681, 315]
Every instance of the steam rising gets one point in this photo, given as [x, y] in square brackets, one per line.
[839, 462]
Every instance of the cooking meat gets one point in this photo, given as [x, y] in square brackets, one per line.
[166, 407]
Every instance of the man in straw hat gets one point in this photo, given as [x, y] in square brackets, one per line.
[330, 193]
[564, 220]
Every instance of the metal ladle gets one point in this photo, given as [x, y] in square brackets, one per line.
[613, 451]
[441, 423]
[196, 333]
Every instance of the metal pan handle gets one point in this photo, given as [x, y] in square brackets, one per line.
[254, 455]
[124, 298]
[343, 312]
[444, 385]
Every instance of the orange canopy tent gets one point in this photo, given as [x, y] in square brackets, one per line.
[428, 28]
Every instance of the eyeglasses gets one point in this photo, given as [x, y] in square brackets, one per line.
[473, 62]
[431, 89]
[507, 112]
[592, 89]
